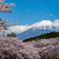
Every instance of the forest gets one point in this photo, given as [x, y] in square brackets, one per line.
[43, 36]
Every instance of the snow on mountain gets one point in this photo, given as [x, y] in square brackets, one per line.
[39, 28]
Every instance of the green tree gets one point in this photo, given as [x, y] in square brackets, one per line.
[11, 35]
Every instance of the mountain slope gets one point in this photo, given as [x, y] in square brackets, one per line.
[31, 33]
[43, 36]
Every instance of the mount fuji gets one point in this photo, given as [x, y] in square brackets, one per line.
[38, 29]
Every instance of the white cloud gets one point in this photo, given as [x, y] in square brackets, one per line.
[18, 28]
[55, 24]
[45, 24]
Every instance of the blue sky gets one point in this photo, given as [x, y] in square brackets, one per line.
[32, 11]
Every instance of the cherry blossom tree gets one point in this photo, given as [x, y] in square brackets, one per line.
[5, 8]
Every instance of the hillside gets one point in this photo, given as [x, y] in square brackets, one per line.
[12, 48]
[43, 36]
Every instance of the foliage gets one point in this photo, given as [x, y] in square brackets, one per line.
[43, 36]
[57, 58]
[11, 35]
